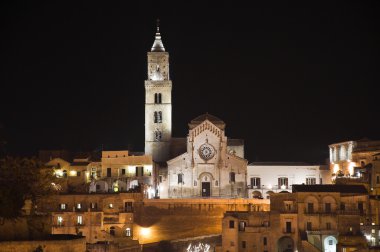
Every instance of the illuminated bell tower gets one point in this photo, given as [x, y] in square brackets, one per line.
[158, 102]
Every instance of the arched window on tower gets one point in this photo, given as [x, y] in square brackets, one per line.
[157, 98]
[155, 117]
[159, 117]
[157, 135]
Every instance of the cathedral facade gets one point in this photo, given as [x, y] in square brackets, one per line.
[206, 163]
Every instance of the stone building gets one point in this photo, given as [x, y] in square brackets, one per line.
[209, 167]
[356, 162]
[312, 218]
[265, 178]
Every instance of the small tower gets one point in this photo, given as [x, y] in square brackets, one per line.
[158, 102]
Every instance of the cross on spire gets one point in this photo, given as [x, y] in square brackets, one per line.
[158, 46]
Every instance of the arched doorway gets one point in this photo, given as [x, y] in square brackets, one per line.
[112, 231]
[206, 179]
[330, 244]
[256, 195]
[285, 244]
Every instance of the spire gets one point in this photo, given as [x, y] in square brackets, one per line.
[158, 46]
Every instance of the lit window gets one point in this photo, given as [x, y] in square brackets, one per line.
[283, 183]
[79, 206]
[93, 205]
[62, 206]
[310, 181]
[128, 232]
[255, 182]
[80, 220]
[60, 221]
[110, 205]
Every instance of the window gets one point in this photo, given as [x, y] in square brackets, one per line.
[64, 173]
[128, 207]
[282, 183]
[242, 225]
[110, 205]
[232, 244]
[157, 98]
[377, 179]
[94, 205]
[98, 187]
[361, 207]
[157, 116]
[243, 244]
[255, 182]
[195, 183]
[60, 221]
[180, 178]
[78, 173]
[216, 183]
[122, 171]
[310, 207]
[328, 207]
[232, 177]
[63, 206]
[328, 225]
[331, 242]
[79, 206]
[108, 172]
[128, 232]
[311, 181]
[342, 206]
[308, 226]
[265, 241]
[139, 171]
[288, 227]
[157, 135]
[80, 220]
[232, 224]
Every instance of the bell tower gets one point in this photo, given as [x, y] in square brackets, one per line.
[158, 102]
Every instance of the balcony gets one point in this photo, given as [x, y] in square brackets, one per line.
[289, 230]
[322, 232]
[321, 212]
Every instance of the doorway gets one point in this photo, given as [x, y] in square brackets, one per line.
[206, 192]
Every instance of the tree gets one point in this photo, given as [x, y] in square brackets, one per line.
[22, 179]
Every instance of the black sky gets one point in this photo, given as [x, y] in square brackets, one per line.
[289, 79]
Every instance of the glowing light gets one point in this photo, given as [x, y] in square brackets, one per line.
[58, 173]
[351, 166]
[335, 168]
[373, 224]
[145, 231]
[368, 237]
[73, 173]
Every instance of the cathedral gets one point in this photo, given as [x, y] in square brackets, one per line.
[204, 164]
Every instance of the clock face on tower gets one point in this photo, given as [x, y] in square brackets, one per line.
[206, 151]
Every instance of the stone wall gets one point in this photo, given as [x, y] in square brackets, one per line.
[69, 245]
[172, 219]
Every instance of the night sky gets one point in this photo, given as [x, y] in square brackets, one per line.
[288, 79]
